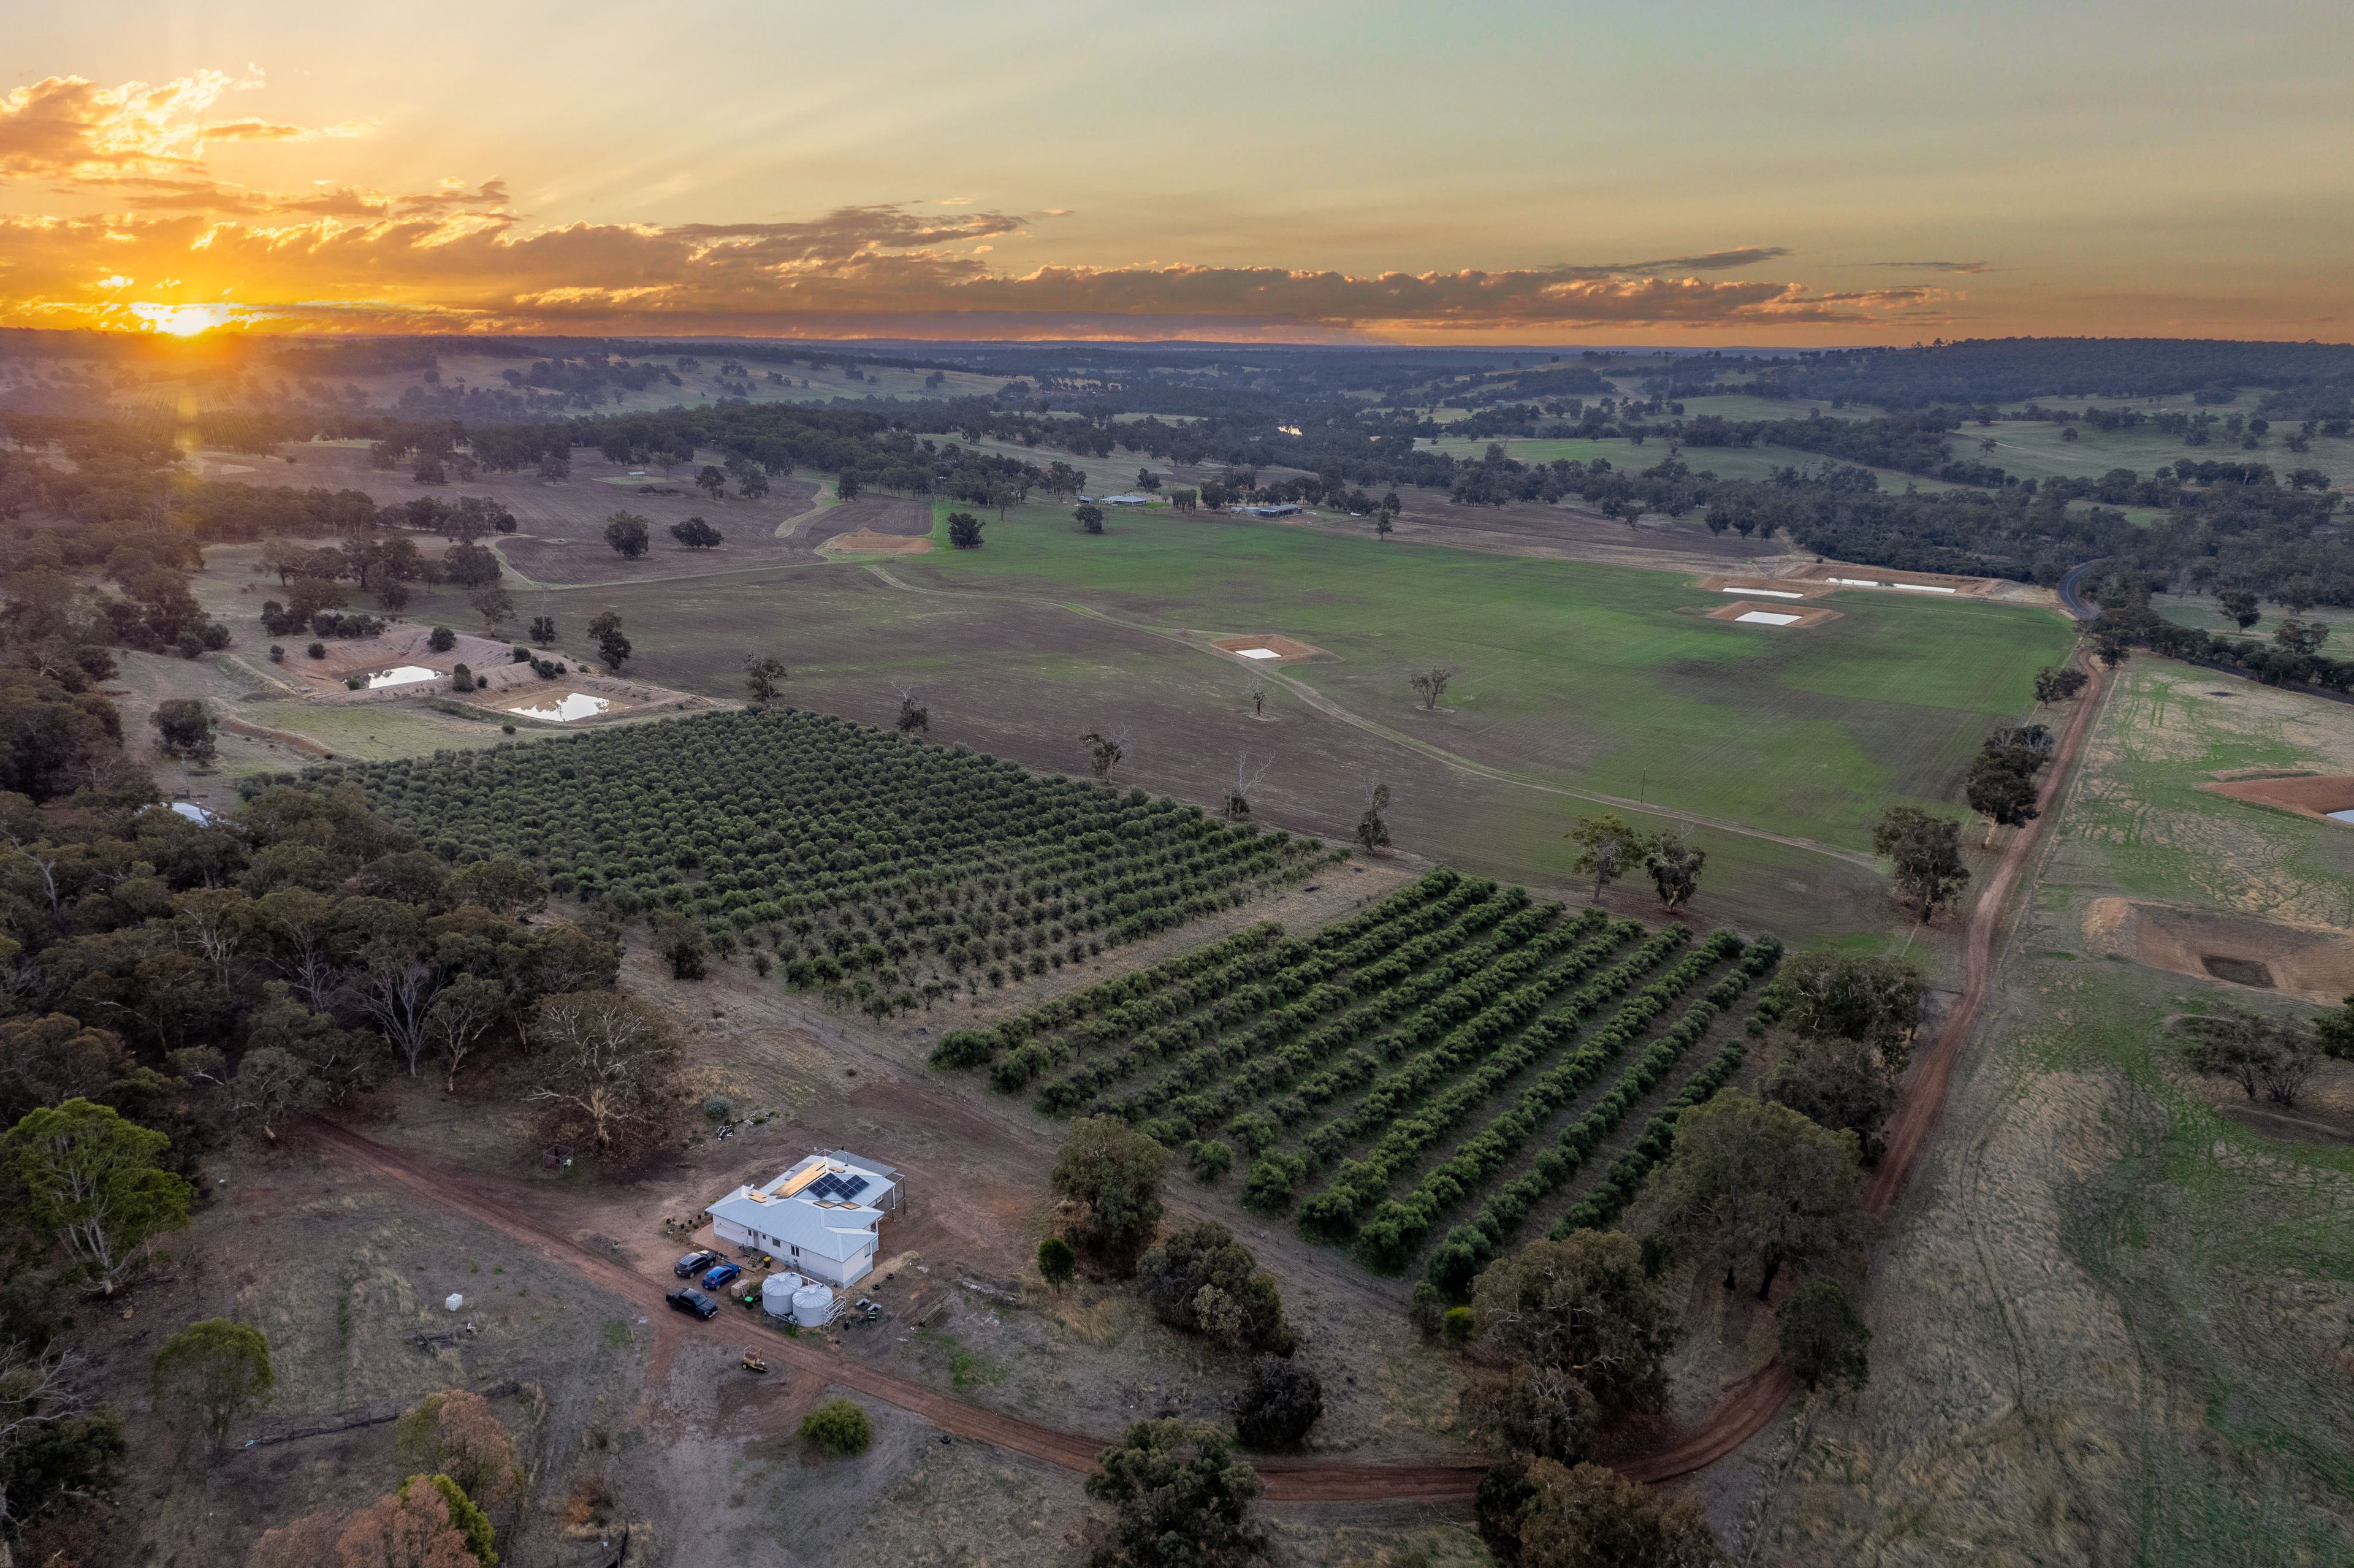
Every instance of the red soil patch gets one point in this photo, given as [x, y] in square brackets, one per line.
[2314, 962]
[1286, 649]
[2307, 797]
[1736, 608]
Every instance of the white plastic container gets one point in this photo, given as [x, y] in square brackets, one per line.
[813, 1305]
[777, 1293]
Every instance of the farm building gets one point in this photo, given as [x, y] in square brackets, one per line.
[820, 1218]
[1278, 509]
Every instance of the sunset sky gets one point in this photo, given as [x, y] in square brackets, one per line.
[1708, 173]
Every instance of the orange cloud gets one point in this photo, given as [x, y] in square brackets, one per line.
[67, 127]
[461, 259]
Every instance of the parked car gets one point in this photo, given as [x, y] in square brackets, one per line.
[700, 1258]
[721, 1274]
[695, 1301]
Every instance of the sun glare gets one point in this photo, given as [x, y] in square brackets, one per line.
[181, 321]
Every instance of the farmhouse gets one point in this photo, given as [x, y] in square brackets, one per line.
[820, 1218]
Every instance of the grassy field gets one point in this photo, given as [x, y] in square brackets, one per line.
[1724, 462]
[1584, 672]
[2122, 1304]
[2035, 449]
[1575, 679]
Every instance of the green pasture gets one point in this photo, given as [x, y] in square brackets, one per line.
[2037, 450]
[2219, 1243]
[1724, 462]
[1605, 677]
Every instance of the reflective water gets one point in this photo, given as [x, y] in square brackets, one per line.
[401, 675]
[564, 709]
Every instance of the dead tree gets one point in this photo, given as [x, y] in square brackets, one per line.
[1373, 829]
[1103, 751]
[1431, 685]
[1257, 694]
[1237, 804]
[911, 717]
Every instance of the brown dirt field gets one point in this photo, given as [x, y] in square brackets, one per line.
[582, 558]
[2307, 796]
[1735, 609]
[1288, 649]
[560, 524]
[866, 542]
[2314, 963]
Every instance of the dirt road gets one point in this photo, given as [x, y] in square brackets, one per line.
[1287, 1481]
[1745, 1412]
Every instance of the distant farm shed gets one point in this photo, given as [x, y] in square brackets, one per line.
[820, 1218]
[1276, 509]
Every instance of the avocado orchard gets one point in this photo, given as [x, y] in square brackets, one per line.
[872, 864]
[1458, 1040]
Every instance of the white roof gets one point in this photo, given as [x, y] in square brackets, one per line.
[824, 1204]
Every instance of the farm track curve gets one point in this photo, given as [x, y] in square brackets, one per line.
[1749, 1408]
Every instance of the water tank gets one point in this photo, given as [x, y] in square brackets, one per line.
[813, 1305]
[777, 1293]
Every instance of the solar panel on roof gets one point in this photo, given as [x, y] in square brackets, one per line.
[850, 1186]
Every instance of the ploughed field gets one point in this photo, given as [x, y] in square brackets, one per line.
[870, 864]
[1458, 1055]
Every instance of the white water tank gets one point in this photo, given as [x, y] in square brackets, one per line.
[777, 1293]
[813, 1305]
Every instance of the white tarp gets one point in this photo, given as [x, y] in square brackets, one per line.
[1763, 593]
[1767, 617]
[1258, 652]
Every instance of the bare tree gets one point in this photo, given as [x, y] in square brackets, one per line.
[467, 1007]
[37, 1390]
[399, 995]
[609, 1066]
[911, 716]
[1431, 685]
[1105, 751]
[1373, 829]
[1237, 804]
[1257, 694]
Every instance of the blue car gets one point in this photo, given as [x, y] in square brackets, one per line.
[721, 1275]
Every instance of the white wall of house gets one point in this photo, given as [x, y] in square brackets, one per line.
[836, 1272]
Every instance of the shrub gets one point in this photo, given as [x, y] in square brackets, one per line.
[317, 650]
[278, 654]
[837, 1427]
[441, 640]
[1824, 1337]
[1278, 1405]
[1456, 1325]
[1056, 1262]
[1209, 1157]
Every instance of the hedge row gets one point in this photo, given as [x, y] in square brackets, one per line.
[1267, 1059]
[1458, 987]
[1331, 1214]
[1396, 1231]
[1313, 979]
[972, 1047]
[1471, 1245]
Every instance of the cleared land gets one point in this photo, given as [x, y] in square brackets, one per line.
[2117, 1308]
[1459, 1051]
[1577, 681]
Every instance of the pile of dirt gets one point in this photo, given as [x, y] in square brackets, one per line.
[1780, 615]
[2307, 795]
[2314, 963]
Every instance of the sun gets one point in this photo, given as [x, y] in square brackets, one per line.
[181, 321]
